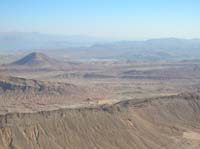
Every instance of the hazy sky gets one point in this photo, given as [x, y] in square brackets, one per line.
[122, 19]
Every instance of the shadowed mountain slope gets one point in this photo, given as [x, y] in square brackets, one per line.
[36, 59]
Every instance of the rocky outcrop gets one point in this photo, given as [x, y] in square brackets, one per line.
[8, 83]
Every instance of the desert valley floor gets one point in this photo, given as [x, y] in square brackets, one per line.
[45, 103]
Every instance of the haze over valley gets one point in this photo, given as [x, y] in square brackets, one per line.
[88, 48]
[99, 74]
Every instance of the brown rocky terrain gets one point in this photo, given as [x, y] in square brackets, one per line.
[164, 122]
[100, 105]
[9, 83]
[20, 94]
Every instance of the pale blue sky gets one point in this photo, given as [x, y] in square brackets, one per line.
[121, 19]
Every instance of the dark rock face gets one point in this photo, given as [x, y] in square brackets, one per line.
[5, 86]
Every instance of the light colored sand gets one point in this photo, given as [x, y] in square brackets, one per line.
[191, 135]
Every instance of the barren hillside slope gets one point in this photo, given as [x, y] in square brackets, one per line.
[165, 122]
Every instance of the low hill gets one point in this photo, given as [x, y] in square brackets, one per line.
[37, 60]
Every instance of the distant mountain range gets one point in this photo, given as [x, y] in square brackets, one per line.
[155, 49]
[15, 41]
[77, 47]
